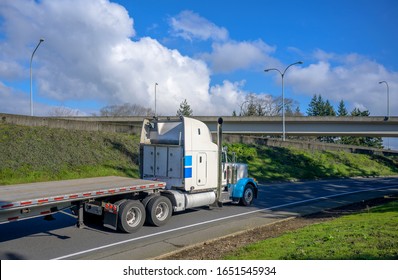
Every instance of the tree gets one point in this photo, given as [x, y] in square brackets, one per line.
[63, 112]
[328, 109]
[126, 109]
[374, 142]
[341, 110]
[265, 105]
[297, 112]
[185, 109]
[319, 107]
[314, 108]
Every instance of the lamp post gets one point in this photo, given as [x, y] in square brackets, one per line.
[156, 84]
[283, 95]
[31, 59]
[388, 99]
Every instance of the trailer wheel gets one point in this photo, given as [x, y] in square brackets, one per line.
[131, 216]
[159, 210]
[248, 195]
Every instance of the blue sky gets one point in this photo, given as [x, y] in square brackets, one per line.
[212, 53]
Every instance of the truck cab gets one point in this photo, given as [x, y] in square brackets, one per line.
[181, 152]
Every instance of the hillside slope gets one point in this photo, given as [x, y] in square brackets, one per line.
[32, 154]
[280, 164]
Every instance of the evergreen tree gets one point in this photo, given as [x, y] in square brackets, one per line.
[185, 109]
[319, 107]
[341, 110]
[374, 142]
[328, 109]
[313, 107]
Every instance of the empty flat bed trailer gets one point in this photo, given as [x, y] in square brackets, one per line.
[94, 194]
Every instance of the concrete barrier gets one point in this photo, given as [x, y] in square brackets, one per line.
[69, 124]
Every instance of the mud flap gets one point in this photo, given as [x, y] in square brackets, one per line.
[111, 214]
[110, 220]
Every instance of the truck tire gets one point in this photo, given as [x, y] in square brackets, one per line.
[159, 210]
[248, 195]
[131, 216]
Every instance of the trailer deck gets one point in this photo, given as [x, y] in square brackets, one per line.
[37, 194]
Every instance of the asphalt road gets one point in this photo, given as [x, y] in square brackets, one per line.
[60, 239]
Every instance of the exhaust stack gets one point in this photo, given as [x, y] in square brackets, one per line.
[219, 176]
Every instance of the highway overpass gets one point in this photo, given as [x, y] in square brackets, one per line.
[295, 126]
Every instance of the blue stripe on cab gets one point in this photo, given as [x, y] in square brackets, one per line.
[188, 161]
[188, 172]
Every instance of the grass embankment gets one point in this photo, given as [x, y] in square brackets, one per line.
[32, 154]
[369, 235]
[274, 164]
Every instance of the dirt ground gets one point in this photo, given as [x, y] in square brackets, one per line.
[216, 249]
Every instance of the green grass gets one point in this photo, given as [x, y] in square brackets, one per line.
[273, 164]
[370, 235]
[32, 154]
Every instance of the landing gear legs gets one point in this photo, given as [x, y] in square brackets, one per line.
[80, 211]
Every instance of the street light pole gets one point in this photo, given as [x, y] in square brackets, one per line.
[388, 99]
[156, 84]
[283, 94]
[31, 59]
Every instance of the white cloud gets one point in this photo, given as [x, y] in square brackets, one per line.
[190, 26]
[227, 98]
[227, 55]
[231, 56]
[136, 66]
[352, 78]
[88, 55]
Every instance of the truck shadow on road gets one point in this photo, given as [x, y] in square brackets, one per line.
[35, 227]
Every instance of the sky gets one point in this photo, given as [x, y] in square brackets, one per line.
[212, 53]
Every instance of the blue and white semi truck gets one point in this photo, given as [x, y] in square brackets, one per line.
[180, 167]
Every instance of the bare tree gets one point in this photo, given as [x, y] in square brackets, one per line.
[63, 112]
[265, 105]
[127, 109]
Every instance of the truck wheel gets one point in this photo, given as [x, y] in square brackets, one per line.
[248, 195]
[159, 210]
[131, 216]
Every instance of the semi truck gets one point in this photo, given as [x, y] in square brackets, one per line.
[180, 168]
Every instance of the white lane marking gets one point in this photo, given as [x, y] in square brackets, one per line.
[216, 220]
[68, 214]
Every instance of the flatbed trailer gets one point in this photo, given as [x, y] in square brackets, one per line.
[24, 201]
